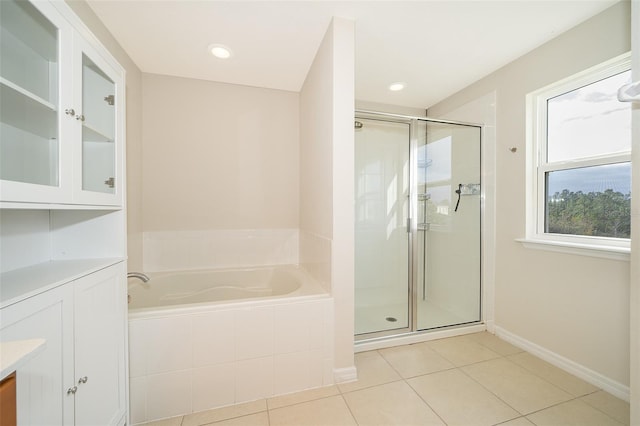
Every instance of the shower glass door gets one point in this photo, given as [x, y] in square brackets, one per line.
[417, 226]
[447, 244]
[382, 185]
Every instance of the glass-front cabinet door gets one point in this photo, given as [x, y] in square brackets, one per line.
[61, 111]
[97, 161]
[34, 42]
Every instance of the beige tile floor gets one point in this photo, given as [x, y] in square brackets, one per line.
[473, 380]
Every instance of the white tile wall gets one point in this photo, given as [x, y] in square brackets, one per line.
[138, 399]
[254, 328]
[315, 256]
[213, 386]
[168, 394]
[137, 349]
[227, 355]
[254, 379]
[214, 340]
[297, 371]
[291, 328]
[182, 250]
[168, 344]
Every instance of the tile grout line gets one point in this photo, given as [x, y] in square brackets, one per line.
[525, 415]
[454, 367]
[596, 408]
[551, 383]
[575, 397]
[460, 369]
[489, 390]
[423, 400]
[349, 408]
[369, 387]
[404, 379]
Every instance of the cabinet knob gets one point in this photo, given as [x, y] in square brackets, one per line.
[83, 380]
[70, 111]
[80, 117]
[72, 391]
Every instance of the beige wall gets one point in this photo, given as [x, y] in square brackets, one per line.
[134, 129]
[574, 306]
[218, 156]
[342, 250]
[316, 143]
[326, 180]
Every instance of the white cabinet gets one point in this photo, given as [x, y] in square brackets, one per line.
[100, 303]
[62, 112]
[79, 378]
[62, 217]
[40, 395]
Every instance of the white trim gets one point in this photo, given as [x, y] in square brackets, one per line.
[536, 166]
[605, 383]
[78, 24]
[491, 327]
[616, 158]
[344, 375]
[603, 70]
[605, 252]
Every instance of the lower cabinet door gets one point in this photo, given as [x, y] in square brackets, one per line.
[100, 336]
[41, 394]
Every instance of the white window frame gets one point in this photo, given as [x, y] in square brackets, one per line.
[537, 167]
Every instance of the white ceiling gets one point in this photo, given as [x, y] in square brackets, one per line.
[435, 47]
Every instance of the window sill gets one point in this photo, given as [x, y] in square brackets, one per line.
[606, 252]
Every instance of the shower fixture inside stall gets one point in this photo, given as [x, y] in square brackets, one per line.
[417, 227]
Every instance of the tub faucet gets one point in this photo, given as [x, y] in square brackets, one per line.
[138, 275]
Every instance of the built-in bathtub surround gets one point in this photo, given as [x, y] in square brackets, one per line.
[189, 360]
[219, 248]
[240, 176]
[315, 256]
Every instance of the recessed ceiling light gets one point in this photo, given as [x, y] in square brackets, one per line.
[220, 51]
[394, 87]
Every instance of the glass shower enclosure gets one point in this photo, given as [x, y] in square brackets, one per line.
[417, 227]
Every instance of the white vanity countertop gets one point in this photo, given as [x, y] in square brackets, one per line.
[15, 353]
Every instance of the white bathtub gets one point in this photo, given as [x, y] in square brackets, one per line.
[180, 289]
[206, 339]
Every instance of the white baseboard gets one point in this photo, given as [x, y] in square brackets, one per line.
[343, 375]
[605, 383]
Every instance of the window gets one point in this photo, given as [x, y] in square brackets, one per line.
[579, 148]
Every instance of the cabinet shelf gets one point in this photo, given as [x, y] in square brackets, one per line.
[20, 205]
[28, 94]
[27, 111]
[92, 134]
[20, 284]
